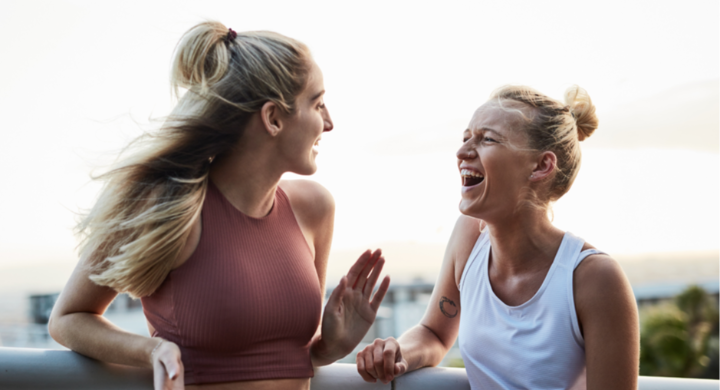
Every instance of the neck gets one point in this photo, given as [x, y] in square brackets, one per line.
[248, 177]
[524, 242]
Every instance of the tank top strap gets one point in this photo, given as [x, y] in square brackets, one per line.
[587, 253]
[572, 262]
[569, 250]
[474, 255]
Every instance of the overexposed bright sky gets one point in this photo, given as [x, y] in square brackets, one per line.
[82, 78]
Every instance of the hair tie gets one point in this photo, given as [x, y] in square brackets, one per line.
[570, 111]
[231, 35]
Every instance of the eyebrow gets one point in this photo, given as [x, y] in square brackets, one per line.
[487, 129]
[318, 95]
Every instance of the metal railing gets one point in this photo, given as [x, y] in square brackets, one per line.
[26, 368]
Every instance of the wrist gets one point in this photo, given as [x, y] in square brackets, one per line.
[320, 353]
[153, 346]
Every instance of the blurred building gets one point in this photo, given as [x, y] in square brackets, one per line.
[403, 307]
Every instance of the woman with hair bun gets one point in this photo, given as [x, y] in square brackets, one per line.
[534, 307]
[228, 259]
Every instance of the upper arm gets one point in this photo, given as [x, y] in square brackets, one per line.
[80, 295]
[608, 316]
[314, 209]
[442, 316]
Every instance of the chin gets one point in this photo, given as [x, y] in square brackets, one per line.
[306, 170]
[467, 207]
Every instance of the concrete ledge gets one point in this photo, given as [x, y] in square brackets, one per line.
[434, 378]
[661, 383]
[25, 368]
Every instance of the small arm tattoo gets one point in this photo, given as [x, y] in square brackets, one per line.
[447, 310]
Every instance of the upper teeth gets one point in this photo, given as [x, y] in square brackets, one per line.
[467, 172]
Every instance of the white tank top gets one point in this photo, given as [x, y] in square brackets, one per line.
[536, 345]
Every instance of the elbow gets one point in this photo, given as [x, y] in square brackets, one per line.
[55, 327]
[441, 344]
[435, 347]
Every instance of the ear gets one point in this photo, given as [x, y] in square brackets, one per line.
[544, 166]
[271, 120]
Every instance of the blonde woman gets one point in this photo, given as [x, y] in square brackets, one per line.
[228, 259]
[534, 307]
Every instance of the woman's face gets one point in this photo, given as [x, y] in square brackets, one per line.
[306, 125]
[494, 161]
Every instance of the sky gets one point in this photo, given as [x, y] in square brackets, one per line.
[403, 79]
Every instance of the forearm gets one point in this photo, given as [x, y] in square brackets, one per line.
[421, 347]
[94, 336]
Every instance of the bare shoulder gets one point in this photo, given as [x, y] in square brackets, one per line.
[311, 202]
[608, 319]
[601, 289]
[598, 273]
[463, 238]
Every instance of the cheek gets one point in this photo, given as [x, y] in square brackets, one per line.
[507, 174]
[319, 123]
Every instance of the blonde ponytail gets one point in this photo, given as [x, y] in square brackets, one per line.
[150, 200]
[201, 57]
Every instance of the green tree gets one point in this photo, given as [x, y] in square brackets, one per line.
[680, 339]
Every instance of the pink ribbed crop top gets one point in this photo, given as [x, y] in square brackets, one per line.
[247, 302]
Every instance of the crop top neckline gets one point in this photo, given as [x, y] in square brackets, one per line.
[224, 199]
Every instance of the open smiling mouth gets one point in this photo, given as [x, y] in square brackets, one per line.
[471, 178]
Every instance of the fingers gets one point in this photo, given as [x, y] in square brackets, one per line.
[388, 364]
[381, 360]
[357, 268]
[400, 368]
[361, 368]
[159, 377]
[380, 294]
[368, 266]
[372, 279]
[177, 381]
[378, 355]
[175, 375]
[168, 371]
[400, 365]
[369, 364]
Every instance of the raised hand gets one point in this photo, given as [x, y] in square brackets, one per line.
[167, 367]
[350, 311]
[381, 360]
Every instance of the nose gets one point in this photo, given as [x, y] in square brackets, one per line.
[327, 121]
[466, 152]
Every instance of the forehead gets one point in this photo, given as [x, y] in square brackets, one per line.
[505, 116]
[315, 78]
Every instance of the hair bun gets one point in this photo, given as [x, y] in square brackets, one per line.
[583, 110]
[201, 57]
